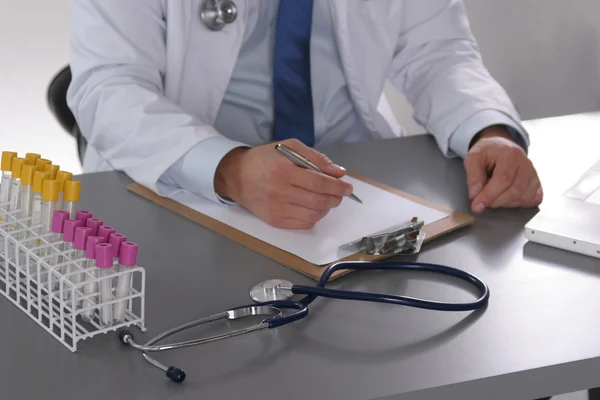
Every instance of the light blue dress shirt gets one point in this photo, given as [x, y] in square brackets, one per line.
[246, 114]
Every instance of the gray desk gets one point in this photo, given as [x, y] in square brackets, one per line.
[538, 336]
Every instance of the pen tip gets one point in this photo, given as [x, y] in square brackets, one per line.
[354, 197]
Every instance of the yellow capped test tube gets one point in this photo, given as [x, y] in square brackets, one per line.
[52, 170]
[71, 195]
[36, 205]
[61, 177]
[5, 182]
[27, 172]
[26, 195]
[15, 186]
[40, 162]
[32, 157]
[49, 199]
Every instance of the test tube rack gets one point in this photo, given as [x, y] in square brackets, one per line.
[35, 275]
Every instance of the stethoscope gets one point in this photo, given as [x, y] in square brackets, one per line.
[217, 13]
[273, 303]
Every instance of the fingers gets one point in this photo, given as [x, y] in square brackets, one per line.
[297, 198]
[288, 223]
[514, 184]
[313, 201]
[477, 176]
[538, 195]
[311, 180]
[516, 192]
[288, 215]
[291, 207]
[538, 198]
[302, 197]
[317, 183]
[316, 157]
[533, 194]
[282, 194]
[503, 177]
[526, 190]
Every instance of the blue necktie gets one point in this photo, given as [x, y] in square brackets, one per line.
[293, 107]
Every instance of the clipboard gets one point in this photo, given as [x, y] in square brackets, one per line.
[454, 221]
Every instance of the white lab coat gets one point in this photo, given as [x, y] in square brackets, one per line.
[149, 77]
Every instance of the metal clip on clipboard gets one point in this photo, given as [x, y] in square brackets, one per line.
[405, 239]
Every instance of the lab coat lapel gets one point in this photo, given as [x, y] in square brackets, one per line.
[340, 13]
[364, 48]
[213, 64]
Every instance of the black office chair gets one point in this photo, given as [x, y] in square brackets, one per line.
[57, 102]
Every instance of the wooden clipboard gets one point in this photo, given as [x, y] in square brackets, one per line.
[454, 221]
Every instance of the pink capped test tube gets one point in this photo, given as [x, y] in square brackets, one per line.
[81, 235]
[92, 286]
[127, 260]
[94, 224]
[104, 262]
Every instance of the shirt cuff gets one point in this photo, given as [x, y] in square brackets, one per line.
[464, 134]
[195, 171]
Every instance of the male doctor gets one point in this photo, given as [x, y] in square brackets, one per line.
[176, 105]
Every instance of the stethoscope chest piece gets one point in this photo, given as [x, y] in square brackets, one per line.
[271, 290]
[217, 13]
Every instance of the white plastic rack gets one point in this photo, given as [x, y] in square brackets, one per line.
[37, 277]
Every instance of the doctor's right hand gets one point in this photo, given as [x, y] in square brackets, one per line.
[276, 190]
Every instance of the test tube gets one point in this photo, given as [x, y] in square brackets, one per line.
[15, 187]
[36, 204]
[58, 222]
[105, 231]
[104, 261]
[52, 170]
[40, 162]
[91, 287]
[83, 216]
[5, 182]
[59, 218]
[127, 259]
[68, 237]
[81, 235]
[26, 195]
[61, 177]
[116, 239]
[94, 224]
[49, 198]
[32, 158]
[72, 192]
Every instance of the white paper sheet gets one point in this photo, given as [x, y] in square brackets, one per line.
[320, 245]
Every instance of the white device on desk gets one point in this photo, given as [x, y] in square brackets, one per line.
[572, 221]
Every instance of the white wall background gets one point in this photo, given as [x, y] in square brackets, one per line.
[546, 54]
[33, 47]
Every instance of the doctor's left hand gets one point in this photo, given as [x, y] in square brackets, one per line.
[499, 173]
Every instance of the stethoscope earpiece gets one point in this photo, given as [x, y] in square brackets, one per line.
[217, 13]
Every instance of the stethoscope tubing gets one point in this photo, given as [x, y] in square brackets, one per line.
[319, 290]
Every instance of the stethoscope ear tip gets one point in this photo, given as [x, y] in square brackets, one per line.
[176, 374]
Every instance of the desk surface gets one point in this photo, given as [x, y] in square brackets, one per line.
[538, 336]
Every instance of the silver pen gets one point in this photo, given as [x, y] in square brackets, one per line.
[304, 163]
